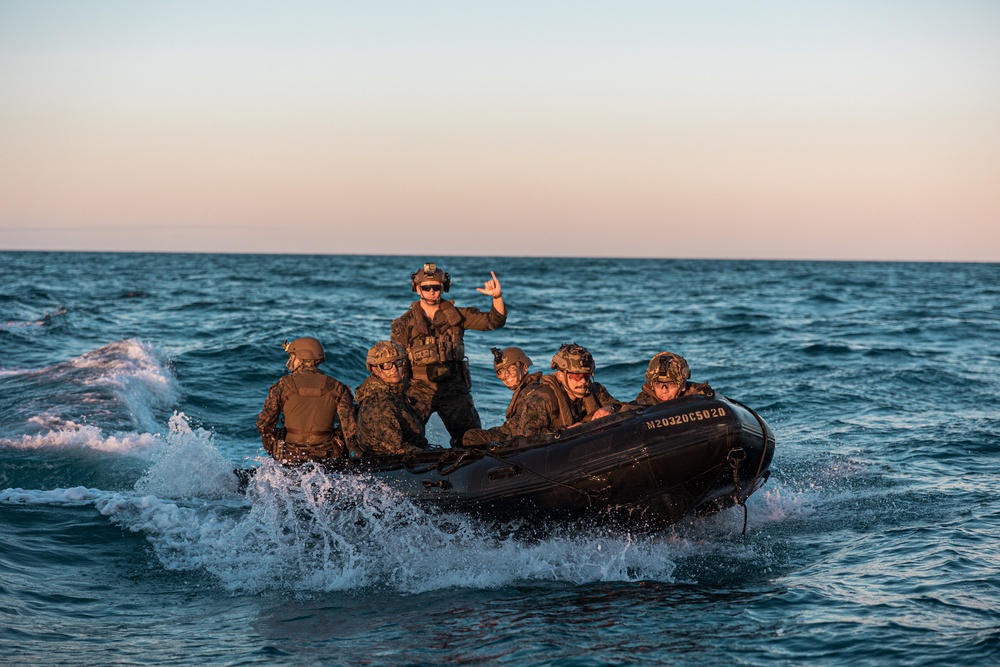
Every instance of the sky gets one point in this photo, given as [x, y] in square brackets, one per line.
[836, 130]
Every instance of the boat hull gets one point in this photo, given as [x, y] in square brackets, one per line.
[644, 468]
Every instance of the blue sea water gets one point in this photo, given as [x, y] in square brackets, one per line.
[129, 385]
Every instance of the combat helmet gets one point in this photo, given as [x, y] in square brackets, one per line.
[667, 367]
[305, 348]
[430, 273]
[573, 358]
[384, 351]
[508, 357]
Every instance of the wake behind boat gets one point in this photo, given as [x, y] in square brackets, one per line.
[640, 469]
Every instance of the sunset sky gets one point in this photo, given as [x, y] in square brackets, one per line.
[770, 130]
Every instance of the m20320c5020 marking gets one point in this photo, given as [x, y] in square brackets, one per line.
[697, 415]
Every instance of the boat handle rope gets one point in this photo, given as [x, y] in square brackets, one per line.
[735, 456]
[439, 466]
[760, 464]
[410, 467]
[447, 470]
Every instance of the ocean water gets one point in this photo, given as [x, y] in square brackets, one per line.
[129, 385]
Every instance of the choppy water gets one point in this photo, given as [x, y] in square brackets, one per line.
[130, 384]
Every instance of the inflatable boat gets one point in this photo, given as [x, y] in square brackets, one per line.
[641, 469]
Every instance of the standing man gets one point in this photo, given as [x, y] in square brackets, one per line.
[511, 366]
[432, 333]
[318, 411]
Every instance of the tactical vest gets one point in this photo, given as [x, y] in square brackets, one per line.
[570, 412]
[526, 381]
[310, 408]
[436, 354]
[427, 350]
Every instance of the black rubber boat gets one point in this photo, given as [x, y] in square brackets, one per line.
[639, 469]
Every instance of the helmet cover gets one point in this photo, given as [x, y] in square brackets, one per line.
[382, 352]
[573, 358]
[667, 367]
[430, 273]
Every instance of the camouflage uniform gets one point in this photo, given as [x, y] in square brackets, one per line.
[318, 414]
[387, 422]
[436, 350]
[545, 407]
[522, 419]
[648, 397]
[564, 410]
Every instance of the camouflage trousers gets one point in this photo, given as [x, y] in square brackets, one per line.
[477, 437]
[451, 400]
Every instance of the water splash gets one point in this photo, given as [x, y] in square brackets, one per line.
[781, 504]
[308, 530]
[187, 465]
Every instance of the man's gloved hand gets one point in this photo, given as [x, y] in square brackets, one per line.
[354, 450]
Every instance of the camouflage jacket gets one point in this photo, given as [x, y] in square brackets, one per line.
[522, 416]
[648, 397]
[387, 422]
[549, 408]
[436, 348]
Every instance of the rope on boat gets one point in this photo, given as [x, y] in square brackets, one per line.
[734, 462]
[736, 456]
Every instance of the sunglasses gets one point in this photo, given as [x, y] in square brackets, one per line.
[389, 365]
[430, 288]
[664, 385]
[578, 377]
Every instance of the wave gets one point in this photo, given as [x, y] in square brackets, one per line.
[83, 436]
[139, 379]
[822, 349]
[46, 319]
[122, 385]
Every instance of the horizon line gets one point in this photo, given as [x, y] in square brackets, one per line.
[474, 255]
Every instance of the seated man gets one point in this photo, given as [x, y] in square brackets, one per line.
[511, 366]
[318, 412]
[570, 396]
[667, 378]
[387, 420]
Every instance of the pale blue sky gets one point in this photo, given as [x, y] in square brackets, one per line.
[831, 130]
